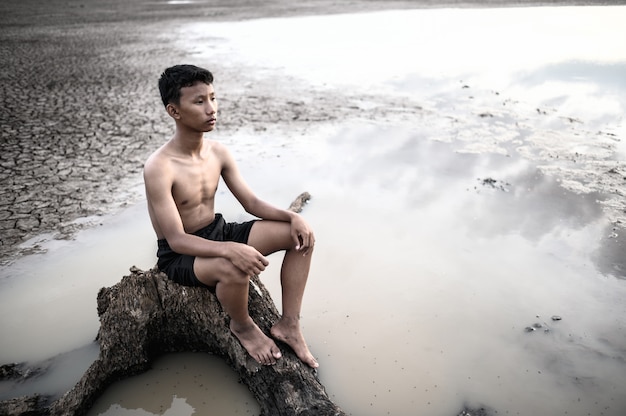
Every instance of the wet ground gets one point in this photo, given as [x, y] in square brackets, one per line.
[491, 204]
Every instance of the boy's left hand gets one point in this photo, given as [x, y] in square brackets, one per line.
[302, 235]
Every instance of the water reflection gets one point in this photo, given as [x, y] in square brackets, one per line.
[460, 252]
[179, 385]
[585, 91]
[498, 194]
[609, 77]
[52, 377]
[611, 255]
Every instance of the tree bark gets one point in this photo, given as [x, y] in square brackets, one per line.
[146, 315]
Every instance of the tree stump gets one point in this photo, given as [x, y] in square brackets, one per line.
[146, 315]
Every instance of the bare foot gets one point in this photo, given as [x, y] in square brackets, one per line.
[258, 345]
[288, 331]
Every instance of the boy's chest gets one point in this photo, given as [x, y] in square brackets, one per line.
[196, 183]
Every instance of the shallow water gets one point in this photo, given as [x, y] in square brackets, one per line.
[439, 241]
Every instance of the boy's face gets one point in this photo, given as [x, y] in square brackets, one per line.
[197, 108]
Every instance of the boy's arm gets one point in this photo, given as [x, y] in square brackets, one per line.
[158, 182]
[301, 232]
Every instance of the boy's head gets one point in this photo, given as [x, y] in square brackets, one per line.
[179, 76]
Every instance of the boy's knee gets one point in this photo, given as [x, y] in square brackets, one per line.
[233, 275]
[220, 271]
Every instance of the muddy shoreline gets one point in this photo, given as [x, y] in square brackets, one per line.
[82, 111]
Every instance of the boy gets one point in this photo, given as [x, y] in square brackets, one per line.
[196, 246]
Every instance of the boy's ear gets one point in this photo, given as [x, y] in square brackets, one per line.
[172, 110]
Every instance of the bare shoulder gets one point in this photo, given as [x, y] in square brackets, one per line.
[217, 148]
[157, 163]
[221, 152]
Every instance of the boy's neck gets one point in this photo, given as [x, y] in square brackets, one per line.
[187, 142]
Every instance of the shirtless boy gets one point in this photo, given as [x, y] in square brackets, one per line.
[196, 246]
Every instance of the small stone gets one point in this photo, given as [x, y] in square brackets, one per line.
[556, 318]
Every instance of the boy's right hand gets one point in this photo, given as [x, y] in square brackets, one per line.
[247, 259]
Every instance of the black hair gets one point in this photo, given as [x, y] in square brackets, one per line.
[179, 76]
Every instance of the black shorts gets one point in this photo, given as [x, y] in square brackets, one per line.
[179, 267]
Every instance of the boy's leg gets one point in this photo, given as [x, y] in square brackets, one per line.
[231, 289]
[269, 237]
